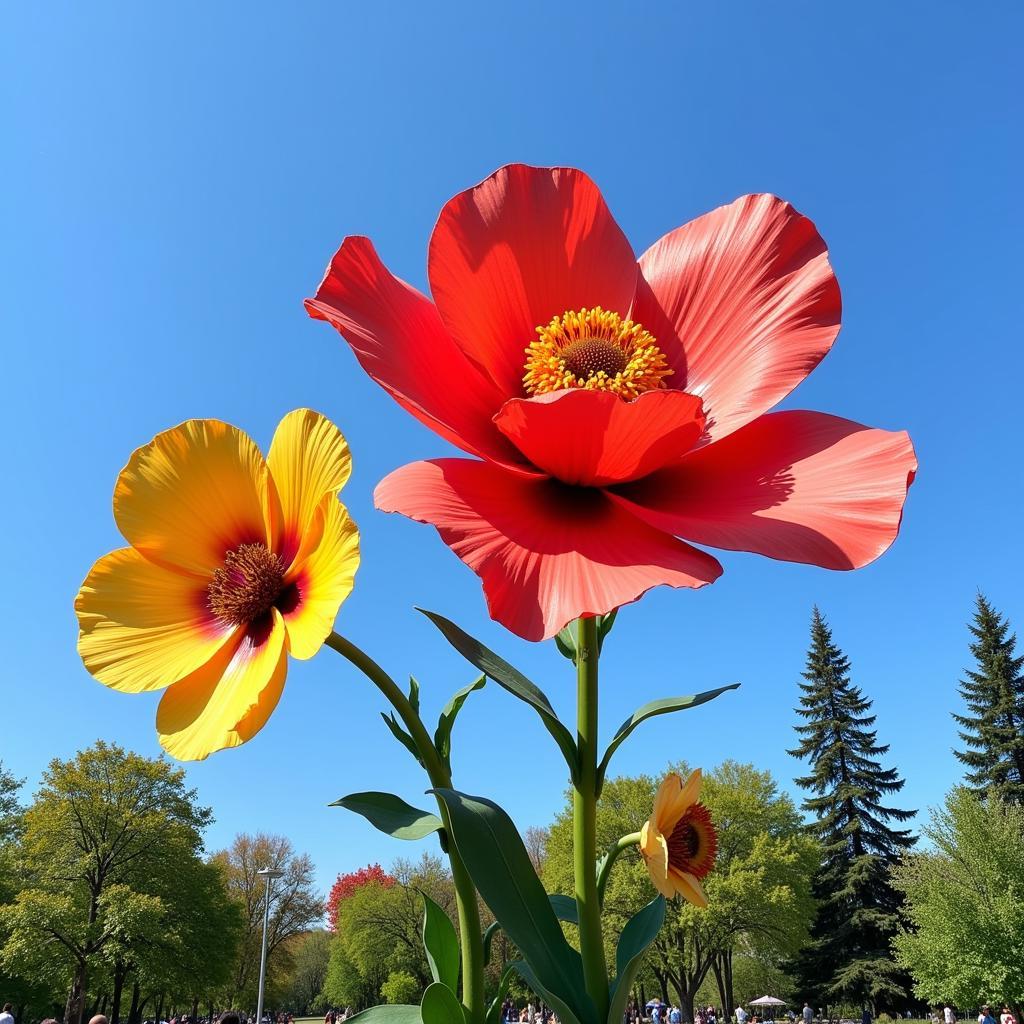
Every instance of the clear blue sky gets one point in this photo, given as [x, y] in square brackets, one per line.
[176, 178]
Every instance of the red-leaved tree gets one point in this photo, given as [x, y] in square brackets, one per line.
[348, 882]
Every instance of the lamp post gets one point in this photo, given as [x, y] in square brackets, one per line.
[269, 874]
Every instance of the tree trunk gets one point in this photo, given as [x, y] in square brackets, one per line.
[160, 1009]
[135, 1013]
[195, 1009]
[730, 995]
[716, 967]
[115, 1003]
[76, 997]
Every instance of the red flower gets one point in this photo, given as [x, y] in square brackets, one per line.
[615, 405]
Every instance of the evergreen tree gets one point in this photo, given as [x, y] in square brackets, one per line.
[848, 958]
[993, 731]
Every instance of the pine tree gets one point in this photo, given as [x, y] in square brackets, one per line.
[848, 958]
[993, 731]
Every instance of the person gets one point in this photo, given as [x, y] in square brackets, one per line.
[1007, 1017]
[741, 1015]
[229, 1017]
[675, 1015]
[656, 1013]
[985, 1017]
[98, 1019]
[865, 1017]
[531, 1013]
[948, 1016]
[6, 1016]
[808, 1013]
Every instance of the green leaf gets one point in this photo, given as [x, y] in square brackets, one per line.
[443, 733]
[639, 933]
[651, 710]
[565, 638]
[561, 1008]
[401, 735]
[512, 680]
[391, 814]
[414, 694]
[441, 944]
[439, 1005]
[566, 642]
[499, 865]
[398, 1014]
[493, 1015]
[565, 909]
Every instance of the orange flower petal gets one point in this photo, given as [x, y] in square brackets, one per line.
[193, 493]
[228, 700]
[657, 862]
[322, 579]
[667, 792]
[682, 799]
[688, 887]
[308, 459]
[141, 626]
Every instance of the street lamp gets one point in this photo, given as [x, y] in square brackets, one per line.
[269, 874]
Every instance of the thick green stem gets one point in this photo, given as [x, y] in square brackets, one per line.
[595, 971]
[604, 869]
[465, 893]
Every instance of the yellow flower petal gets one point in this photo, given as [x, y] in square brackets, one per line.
[141, 626]
[667, 792]
[683, 799]
[657, 863]
[308, 459]
[192, 494]
[689, 887]
[227, 701]
[323, 578]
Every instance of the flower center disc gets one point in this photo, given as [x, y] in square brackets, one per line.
[692, 845]
[247, 585]
[591, 356]
[595, 350]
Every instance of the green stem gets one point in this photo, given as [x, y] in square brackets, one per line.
[465, 892]
[604, 869]
[595, 970]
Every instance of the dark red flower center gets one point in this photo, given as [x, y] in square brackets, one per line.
[693, 844]
[590, 356]
[247, 586]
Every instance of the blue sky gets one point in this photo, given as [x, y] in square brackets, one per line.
[176, 178]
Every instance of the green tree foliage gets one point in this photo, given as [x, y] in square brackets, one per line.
[759, 900]
[295, 907]
[310, 955]
[401, 987]
[848, 959]
[965, 902]
[993, 728]
[103, 842]
[379, 931]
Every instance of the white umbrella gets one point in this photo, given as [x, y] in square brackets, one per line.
[768, 1001]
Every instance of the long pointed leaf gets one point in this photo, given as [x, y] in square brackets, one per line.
[651, 710]
[640, 931]
[565, 909]
[401, 735]
[500, 867]
[512, 680]
[529, 975]
[443, 733]
[441, 944]
[391, 814]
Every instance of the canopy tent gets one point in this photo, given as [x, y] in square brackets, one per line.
[767, 1001]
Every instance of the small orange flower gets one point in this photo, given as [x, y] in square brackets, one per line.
[679, 841]
[234, 562]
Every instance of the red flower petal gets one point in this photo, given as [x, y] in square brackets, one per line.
[744, 304]
[596, 438]
[399, 340]
[798, 486]
[546, 553]
[523, 246]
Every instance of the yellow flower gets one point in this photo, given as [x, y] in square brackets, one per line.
[234, 562]
[678, 841]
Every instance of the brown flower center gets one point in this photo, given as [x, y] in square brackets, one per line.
[247, 586]
[590, 356]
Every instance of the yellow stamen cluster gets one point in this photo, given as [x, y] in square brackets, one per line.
[596, 350]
